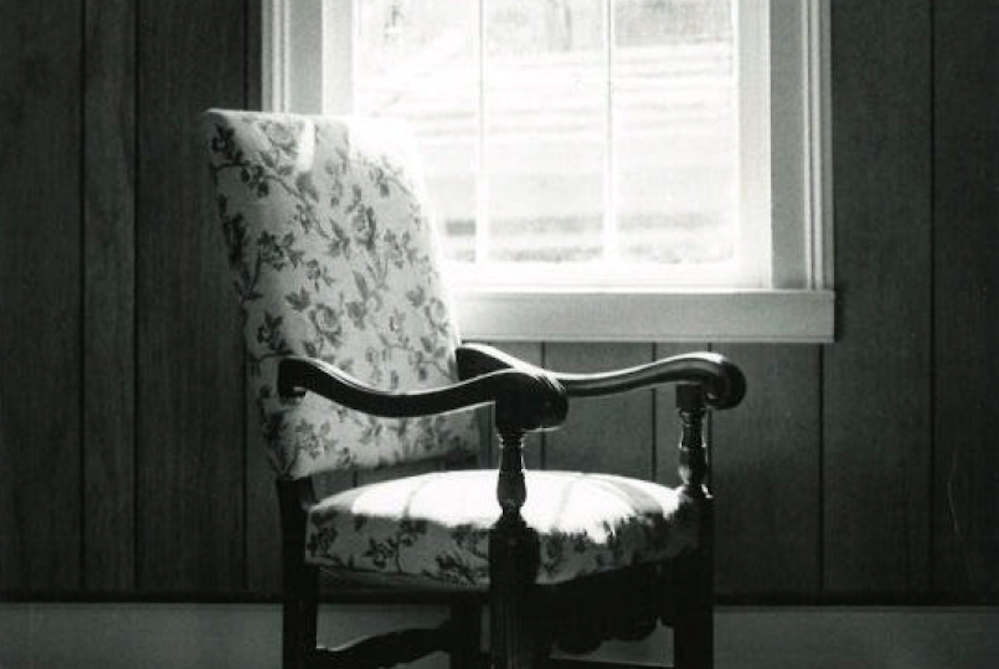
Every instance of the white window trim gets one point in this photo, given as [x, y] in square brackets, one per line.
[799, 310]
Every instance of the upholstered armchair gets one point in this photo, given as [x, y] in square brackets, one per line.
[356, 364]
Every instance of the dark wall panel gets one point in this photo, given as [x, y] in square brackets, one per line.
[765, 474]
[109, 295]
[876, 389]
[263, 554]
[604, 434]
[966, 316]
[191, 406]
[40, 296]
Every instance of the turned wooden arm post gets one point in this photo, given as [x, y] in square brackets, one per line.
[514, 556]
[511, 489]
[694, 569]
[692, 456]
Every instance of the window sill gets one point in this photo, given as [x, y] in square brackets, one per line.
[761, 316]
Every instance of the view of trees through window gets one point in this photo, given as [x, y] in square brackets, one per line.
[568, 131]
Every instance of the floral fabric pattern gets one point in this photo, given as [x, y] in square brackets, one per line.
[334, 258]
[436, 526]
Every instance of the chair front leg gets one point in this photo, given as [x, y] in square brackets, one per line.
[693, 628]
[300, 583]
[299, 616]
[514, 556]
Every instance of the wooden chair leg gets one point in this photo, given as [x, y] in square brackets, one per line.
[693, 630]
[514, 558]
[514, 551]
[299, 620]
[299, 584]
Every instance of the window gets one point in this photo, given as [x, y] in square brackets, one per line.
[600, 169]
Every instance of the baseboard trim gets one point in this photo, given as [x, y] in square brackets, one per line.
[245, 636]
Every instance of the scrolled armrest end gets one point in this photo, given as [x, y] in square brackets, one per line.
[291, 377]
[727, 386]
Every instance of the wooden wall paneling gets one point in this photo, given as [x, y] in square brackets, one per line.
[109, 296]
[253, 61]
[263, 550]
[191, 405]
[263, 520]
[876, 384]
[614, 434]
[966, 318]
[766, 460]
[40, 296]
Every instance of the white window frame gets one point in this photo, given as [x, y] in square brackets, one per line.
[798, 307]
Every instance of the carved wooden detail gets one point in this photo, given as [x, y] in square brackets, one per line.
[693, 571]
[511, 489]
[692, 456]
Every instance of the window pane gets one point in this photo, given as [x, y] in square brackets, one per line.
[417, 59]
[675, 130]
[545, 129]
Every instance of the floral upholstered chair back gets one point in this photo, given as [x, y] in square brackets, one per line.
[334, 258]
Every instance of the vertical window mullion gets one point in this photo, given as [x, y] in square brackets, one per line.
[482, 181]
[753, 61]
[609, 231]
[339, 36]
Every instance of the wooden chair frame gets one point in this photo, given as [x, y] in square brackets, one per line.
[526, 398]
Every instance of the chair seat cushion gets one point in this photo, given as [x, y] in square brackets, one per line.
[436, 526]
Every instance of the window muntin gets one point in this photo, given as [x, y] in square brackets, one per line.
[570, 143]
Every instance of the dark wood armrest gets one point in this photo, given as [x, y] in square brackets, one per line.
[723, 382]
[525, 399]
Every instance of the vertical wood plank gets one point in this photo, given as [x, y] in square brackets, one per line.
[190, 386]
[263, 519]
[966, 319]
[40, 296]
[109, 296]
[263, 553]
[612, 435]
[253, 58]
[765, 474]
[876, 384]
